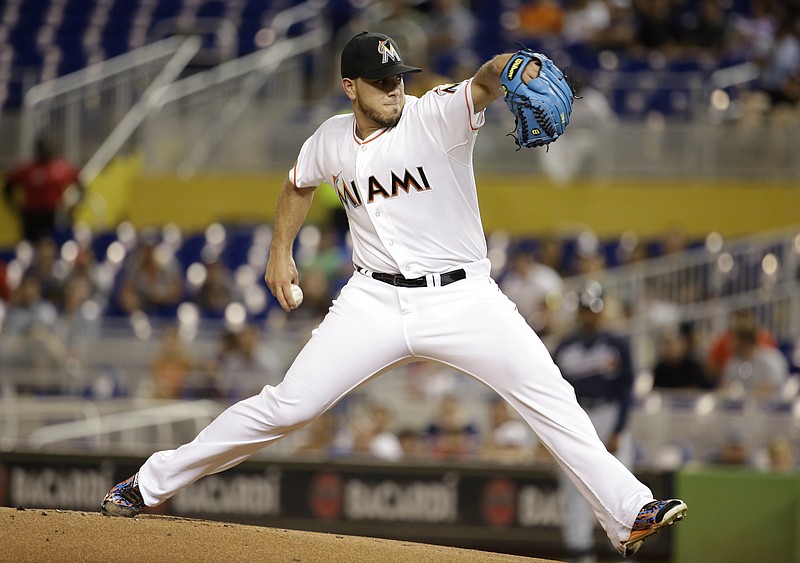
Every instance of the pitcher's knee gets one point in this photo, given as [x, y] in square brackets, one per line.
[285, 408]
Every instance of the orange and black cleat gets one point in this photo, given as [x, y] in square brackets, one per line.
[653, 517]
[124, 499]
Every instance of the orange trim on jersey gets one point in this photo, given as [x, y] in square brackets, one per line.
[293, 178]
[359, 141]
[470, 108]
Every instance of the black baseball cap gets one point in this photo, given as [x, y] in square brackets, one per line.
[373, 56]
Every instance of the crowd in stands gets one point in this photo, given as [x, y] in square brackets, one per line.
[60, 294]
[450, 38]
[660, 34]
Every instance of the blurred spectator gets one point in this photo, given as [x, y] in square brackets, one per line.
[152, 282]
[631, 249]
[451, 30]
[780, 65]
[43, 183]
[85, 266]
[510, 439]
[706, 32]
[754, 370]
[528, 284]
[734, 450]
[411, 443]
[539, 18]
[780, 453]
[43, 268]
[677, 367]
[673, 240]
[585, 21]
[599, 366]
[245, 363]
[78, 323]
[323, 438]
[657, 27]
[721, 348]
[217, 291]
[372, 435]
[753, 32]
[550, 252]
[589, 261]
[5, 289]
[620, 33]
[29, 337]
[451, 435]
[171, 366]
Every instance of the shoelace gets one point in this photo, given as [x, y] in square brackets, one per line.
[131, 495]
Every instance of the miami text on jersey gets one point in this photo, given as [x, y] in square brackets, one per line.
[349, 196]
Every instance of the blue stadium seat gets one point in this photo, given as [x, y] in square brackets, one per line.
[167, 9]
[240, 239]
[191, 250]
[212, 9]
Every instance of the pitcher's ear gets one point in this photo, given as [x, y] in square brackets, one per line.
[349, 86]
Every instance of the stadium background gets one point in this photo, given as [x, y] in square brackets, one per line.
[686, 144]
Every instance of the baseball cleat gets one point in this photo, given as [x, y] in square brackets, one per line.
[653, 517]
[124, 499]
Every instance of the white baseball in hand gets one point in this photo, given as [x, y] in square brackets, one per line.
[297, 294]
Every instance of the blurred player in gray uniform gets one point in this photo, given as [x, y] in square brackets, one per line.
[421, 290]
[599, 366]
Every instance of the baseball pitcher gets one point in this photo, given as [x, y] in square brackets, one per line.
[421, 290]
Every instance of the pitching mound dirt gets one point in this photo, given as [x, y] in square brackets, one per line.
[36, 535]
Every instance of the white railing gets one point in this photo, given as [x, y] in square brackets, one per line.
[257, 88]
[669, 428]
[160, 423]
[149, 99]
[79, 110]
[703, 287]
[21, 415]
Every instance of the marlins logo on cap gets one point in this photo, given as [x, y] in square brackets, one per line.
[373, 56]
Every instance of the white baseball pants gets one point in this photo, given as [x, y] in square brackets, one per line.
[371, 327]
[578, 522]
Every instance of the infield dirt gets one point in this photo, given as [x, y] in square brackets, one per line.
[48, 535]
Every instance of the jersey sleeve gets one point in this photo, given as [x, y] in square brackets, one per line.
[307, 171]
[449, 114]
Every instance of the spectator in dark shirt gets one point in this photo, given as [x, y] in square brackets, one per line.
[677, 366]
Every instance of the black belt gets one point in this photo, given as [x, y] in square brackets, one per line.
[423, 281]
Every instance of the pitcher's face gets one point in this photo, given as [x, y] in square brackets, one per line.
[381, 101]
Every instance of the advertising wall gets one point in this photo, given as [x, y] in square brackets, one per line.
[496, 509]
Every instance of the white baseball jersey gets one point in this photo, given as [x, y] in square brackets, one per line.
[409, 191]
[410, 195]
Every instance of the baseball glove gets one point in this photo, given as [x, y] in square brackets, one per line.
[543, 106]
